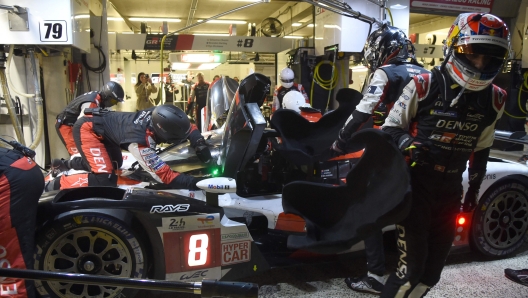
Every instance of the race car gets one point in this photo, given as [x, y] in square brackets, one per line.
[277, 199]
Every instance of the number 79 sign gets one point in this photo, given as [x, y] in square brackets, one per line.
[52, 31]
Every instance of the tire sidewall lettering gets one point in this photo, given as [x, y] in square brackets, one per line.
[61, 226]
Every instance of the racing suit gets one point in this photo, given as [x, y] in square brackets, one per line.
[279, 93]
[21, 184]
[199, 98]
[385, 86]
[100, 138]
[66, 119]
[445, 137]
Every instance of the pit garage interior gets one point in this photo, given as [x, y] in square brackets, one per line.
[91, 42]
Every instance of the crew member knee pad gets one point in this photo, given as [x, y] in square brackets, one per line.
[105, 179]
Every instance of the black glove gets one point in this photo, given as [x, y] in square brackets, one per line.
[202, 151]
[380, 114]
[184, 181]
[470, 200]
[338, 147]
[415, 150]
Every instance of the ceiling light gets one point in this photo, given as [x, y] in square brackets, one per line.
[170, 20]
[294, 37]
[296, 24]
[332, 27]
[311, 25]
[180, 66]
[319, 38]
[398, 6]
[208, 65]
[212, 34]
[114, 19]
[224, 21]
[82, 16]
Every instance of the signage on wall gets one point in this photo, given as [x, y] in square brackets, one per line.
[454, 5]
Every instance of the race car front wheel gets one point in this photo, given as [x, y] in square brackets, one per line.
[500, 220]
[89, 244]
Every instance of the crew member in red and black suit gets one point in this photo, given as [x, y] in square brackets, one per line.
[100, 132]
[111, 94]
[21, 184]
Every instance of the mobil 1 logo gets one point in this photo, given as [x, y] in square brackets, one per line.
[52, 31]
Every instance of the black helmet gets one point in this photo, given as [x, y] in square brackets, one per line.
[387, 45]
[170, 124]
[111, 94]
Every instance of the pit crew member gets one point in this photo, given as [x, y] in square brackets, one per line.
[440, 121]
[287, 85]
[21, 184]
[390, 56]
[101, 131]
[111, 94]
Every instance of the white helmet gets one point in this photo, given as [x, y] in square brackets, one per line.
[286, 77]
[473, 33]
[294, 100]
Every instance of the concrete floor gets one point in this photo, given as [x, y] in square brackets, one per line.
[466, 275]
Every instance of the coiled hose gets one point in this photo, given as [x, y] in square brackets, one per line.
[329, 84]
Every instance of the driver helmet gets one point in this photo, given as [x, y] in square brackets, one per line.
[286, 77]
[294, 100]
[387, 45]
[170, 124]
[476, 33]
[111, 94]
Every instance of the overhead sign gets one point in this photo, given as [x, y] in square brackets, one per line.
[454, 5]
[428, 51]
[220, 43]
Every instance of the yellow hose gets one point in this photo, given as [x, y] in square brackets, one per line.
[11, 108]
[325, 84]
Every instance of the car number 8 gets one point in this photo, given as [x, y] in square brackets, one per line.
[194, 249]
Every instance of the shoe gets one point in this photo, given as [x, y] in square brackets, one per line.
[518, 276]
[58, 166]
[365, 284]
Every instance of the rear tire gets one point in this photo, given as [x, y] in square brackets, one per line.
[90, 243]
[500, 220]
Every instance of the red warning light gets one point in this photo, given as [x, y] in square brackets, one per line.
[461, 220]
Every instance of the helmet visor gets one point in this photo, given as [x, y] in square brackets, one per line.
[482, 49]
[286, 81]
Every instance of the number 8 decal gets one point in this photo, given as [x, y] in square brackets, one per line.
[194, 249]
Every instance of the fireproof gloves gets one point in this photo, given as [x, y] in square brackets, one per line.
[416, 151]
[470, 199]
[202, 151]
[184, 181]
[380, 114]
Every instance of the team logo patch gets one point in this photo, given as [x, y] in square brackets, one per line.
[372, 89]
[439, 168]
[442, 113]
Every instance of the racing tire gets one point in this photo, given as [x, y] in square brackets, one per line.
[90, 243]
[500, 220]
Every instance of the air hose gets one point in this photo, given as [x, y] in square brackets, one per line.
[329, 84]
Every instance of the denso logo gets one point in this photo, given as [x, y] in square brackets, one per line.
[197, 274]
[6, 288]
[457, 125]
[170, 208]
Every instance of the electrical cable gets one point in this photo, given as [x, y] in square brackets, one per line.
[329, 84]
[98, 69]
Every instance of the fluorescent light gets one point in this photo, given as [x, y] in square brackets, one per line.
[296, 24]
[212, 34]
[82, 16]
[398, 6]
[294, 37]
[225, 21]
[311, 25]
[332, 27]
[194, 58]
[180, 66]
[208, 65]
[111, 32]
[319, 38]
[114, 19]
[128, 32]
[170, 20]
